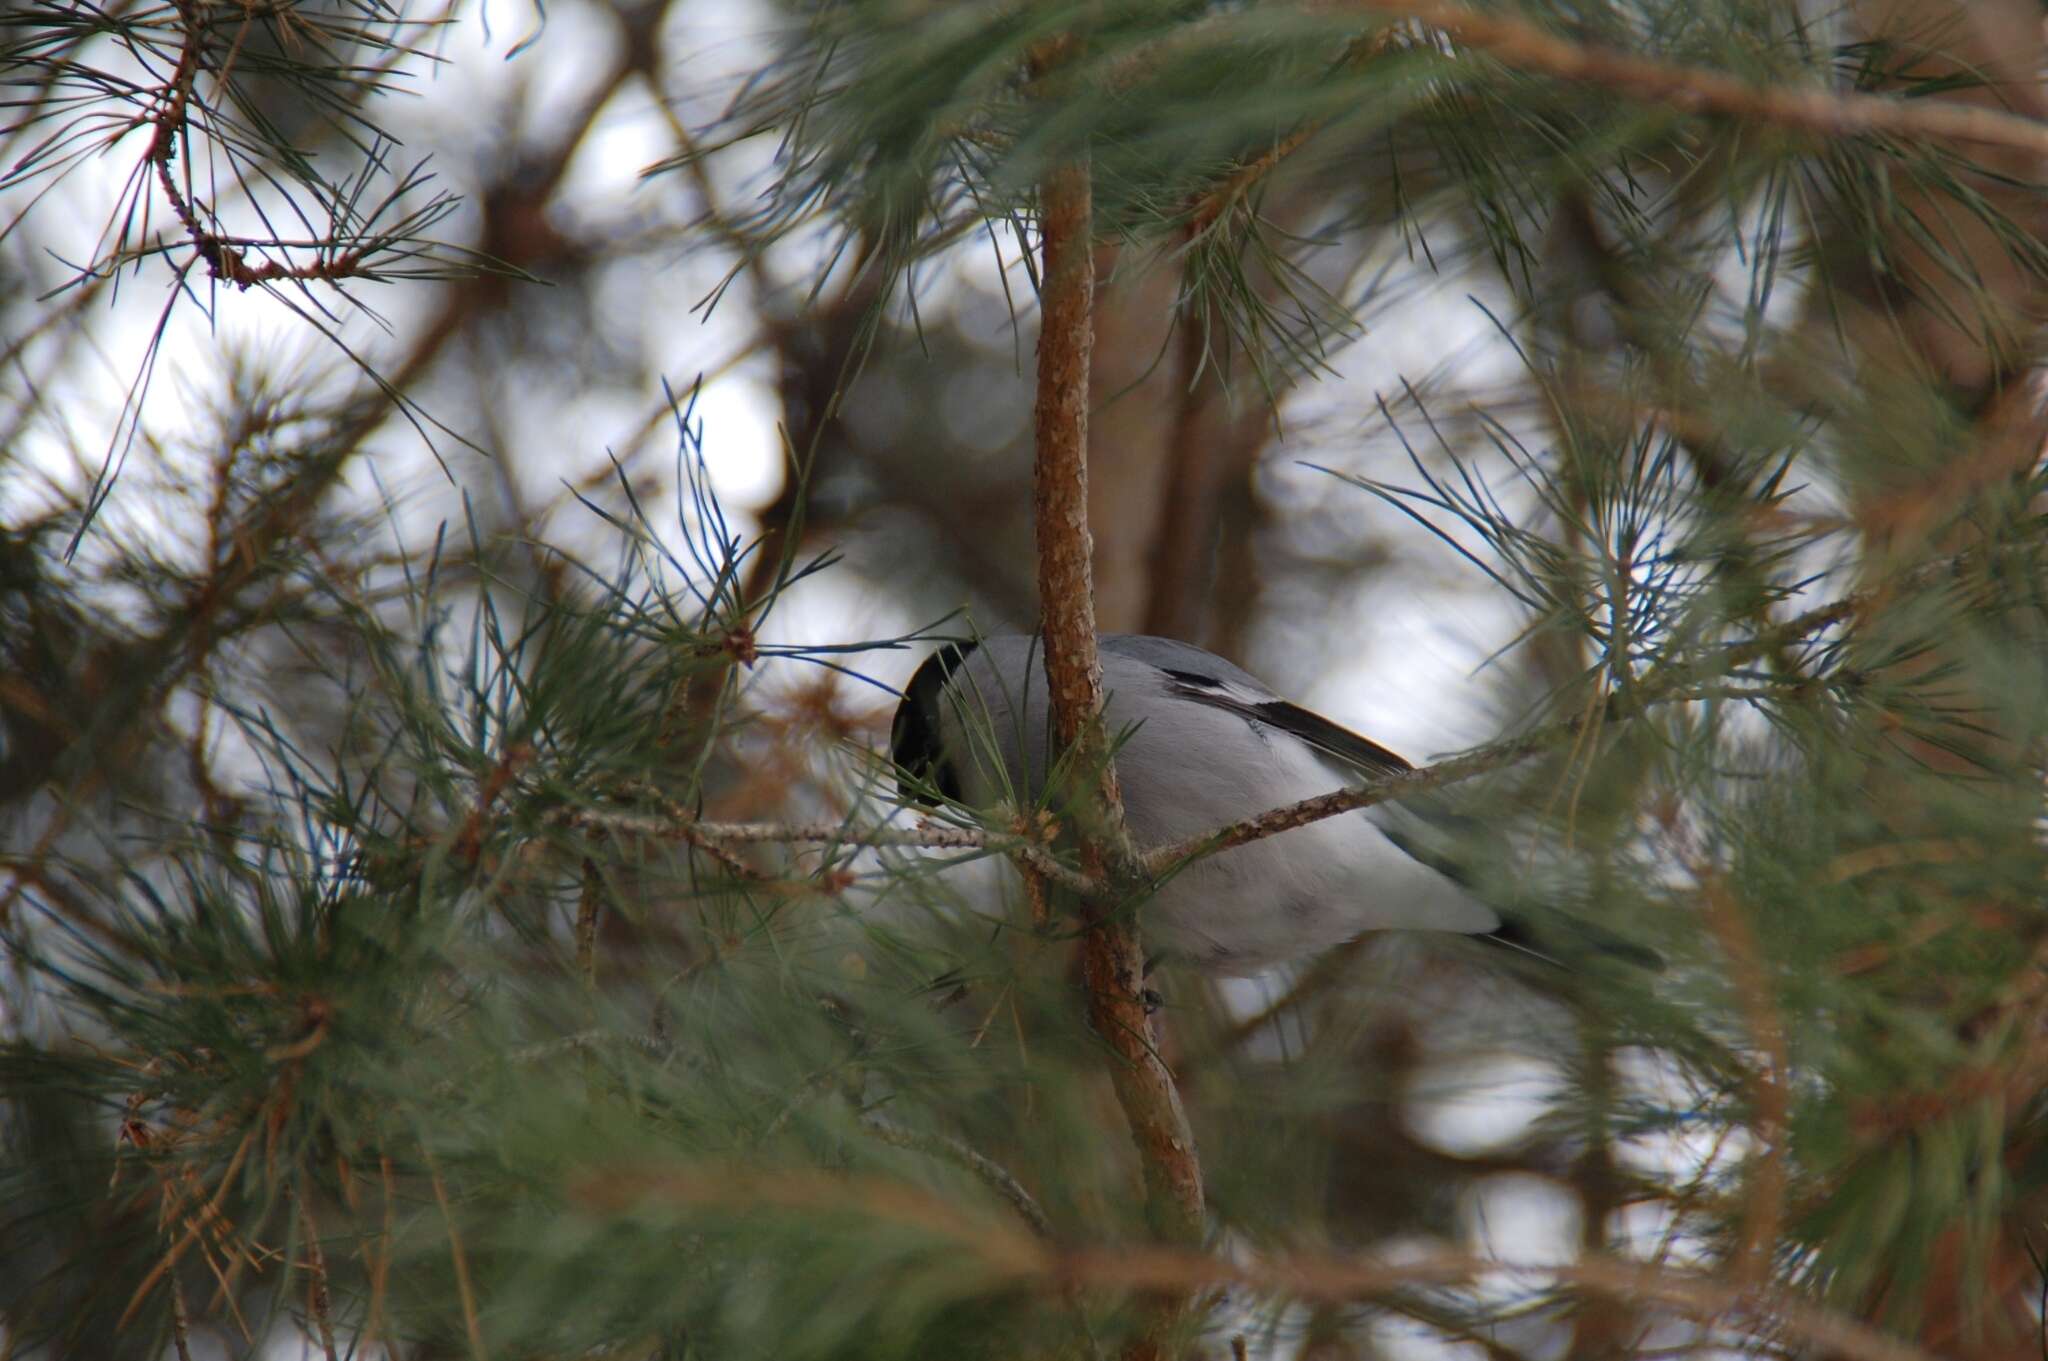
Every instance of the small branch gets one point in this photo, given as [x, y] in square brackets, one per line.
[181, 1326]
[1340, 801]
[589, 904]
[1763, 1202]
[674, 823]
[1338, 1279]
[224, 256]
[1675, 686]
[317, 1300]
[990, 1173]
[195, 1225]
[1204, 211]
[1527, 47]
[469, 840]
[378, 1259]
[464, 1290]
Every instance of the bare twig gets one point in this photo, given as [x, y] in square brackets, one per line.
[1527, 47]
[378, 1259]
[991, 1174]
[1204, 211]
[194, 1225]
[1203, 214]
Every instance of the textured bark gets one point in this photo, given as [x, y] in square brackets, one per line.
[1113, 959]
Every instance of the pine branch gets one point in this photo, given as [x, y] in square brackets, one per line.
[1763, 1202]
[226, 256]
[1025, 1259]
[991, 1173]
[1524, 46]
[674, 823]
[1676, 685]
[1204, 212]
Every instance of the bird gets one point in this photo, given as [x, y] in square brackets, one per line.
[1201, 743]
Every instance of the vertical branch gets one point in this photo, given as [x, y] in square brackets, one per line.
[1763, 1204]
[181, 1326]
[1112, 960]
[464, 1290]
[318, 1301]
[589, 906]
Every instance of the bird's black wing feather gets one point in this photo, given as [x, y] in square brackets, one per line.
[1332, 739]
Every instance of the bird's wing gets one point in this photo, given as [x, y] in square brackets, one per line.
[1256, 704]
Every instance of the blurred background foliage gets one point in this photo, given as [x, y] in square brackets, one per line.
[378, 623]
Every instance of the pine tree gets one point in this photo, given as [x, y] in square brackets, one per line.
[454, 902]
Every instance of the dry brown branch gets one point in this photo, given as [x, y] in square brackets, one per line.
[1526, 47]
[470, 1322]
[1205, 211]
[1113, 961]
[196, 1223]
[469, 840]
[377, 1258]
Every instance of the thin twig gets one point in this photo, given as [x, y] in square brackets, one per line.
[1674, 686]
[223, 254]
[197, 1222]
[1204, 211]
[1678, 685]
[589, 903]
[1763, 1202]
[378, 1260]
[463, 1289]
[1690, 89]
[317, 1300]
[678, 825]
[181, 1327]
[991, 1173]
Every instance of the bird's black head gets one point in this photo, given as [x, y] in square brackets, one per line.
[915, 742]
